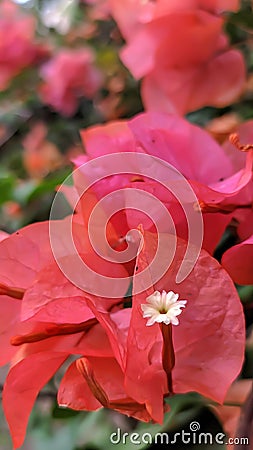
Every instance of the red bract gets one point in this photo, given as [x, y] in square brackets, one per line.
[49, 314]
[44, 317]
[238, 261]
[181, 53]
[91, 383]
[213, 319]
[47, 318]
[17, 47]
[67, 77]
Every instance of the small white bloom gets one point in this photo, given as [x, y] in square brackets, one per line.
[163, 307]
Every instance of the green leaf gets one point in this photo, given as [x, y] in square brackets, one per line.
[63, 413]
[49, 184]
[7, 182]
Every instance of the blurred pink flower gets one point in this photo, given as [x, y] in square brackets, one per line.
[18, 48]
[67, 77]
[100, 9]
[40, 156]
[181, 52]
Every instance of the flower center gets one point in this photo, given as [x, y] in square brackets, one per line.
[163, 308]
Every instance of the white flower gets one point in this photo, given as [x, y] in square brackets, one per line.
[163, 307]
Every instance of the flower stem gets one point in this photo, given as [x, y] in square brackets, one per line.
[168, 354]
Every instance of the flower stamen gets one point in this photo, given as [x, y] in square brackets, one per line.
[13, 292]
[234, 139]
[85, 368]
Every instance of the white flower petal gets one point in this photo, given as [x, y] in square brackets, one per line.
[163, 308]
[175, 321]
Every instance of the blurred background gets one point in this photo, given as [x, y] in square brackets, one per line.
[60, 72]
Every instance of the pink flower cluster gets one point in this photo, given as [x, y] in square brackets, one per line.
[68, 74]
[17, 48]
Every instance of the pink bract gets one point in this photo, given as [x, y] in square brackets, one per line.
[181, 53]
[210, 170]
[238, 261]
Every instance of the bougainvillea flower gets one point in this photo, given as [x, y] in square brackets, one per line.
[45, 318]
[18, 49]
[55, 314]
[181, 53]
[211, 170]
[206, 315]
[48, 318]
[208, 321]
[86, 384]
[67, 77]
[132, 385]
